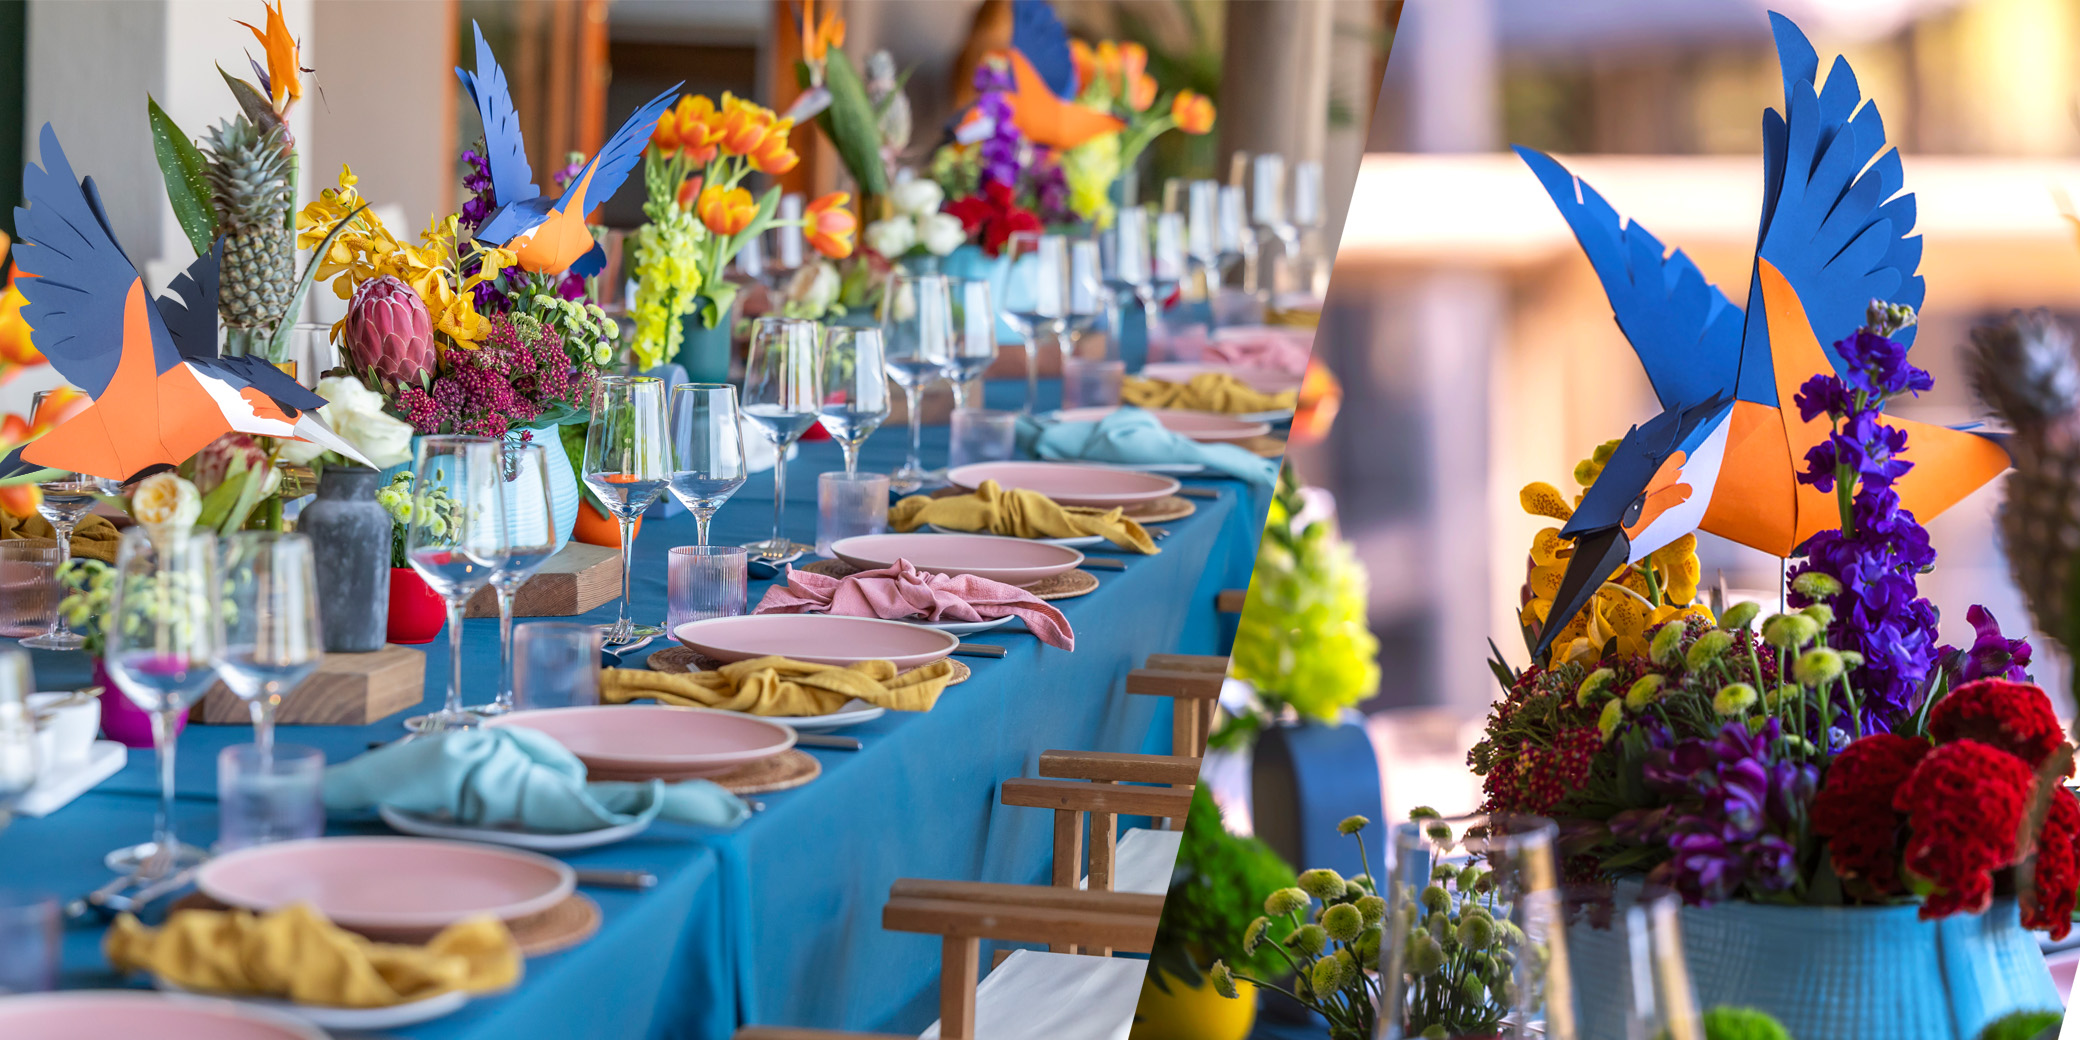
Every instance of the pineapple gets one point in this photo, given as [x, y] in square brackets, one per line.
[2023, 368]
[251, 175]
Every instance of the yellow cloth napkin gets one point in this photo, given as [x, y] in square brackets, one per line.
[1207, 392]
[1021, 514]
[296, 954]
[95, 537]
[781, 687]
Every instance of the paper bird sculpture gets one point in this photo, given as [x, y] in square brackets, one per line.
[548, 237]
[160, 391]
[1724, 455]
[1043, 81]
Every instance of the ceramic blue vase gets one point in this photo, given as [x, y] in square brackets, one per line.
[563, 485]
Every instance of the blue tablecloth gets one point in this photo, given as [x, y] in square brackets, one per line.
[778, 922]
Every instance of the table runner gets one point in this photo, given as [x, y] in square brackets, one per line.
[778, 922]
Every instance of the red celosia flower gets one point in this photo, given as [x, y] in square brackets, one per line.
[1854, 810]
[1963, 804]
[2014, 717]
[2056, 879]
[995, 213]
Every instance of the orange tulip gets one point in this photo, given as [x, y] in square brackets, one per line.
[1133, 65]
[744, 127]
[59, 405]
[1193, 112]
[21, 499]
[15, 345]
[830, 226]
[1085, 62]
[1143, 94]
[727, 211]
[1320, 397]
[689, 190]
[772, 156]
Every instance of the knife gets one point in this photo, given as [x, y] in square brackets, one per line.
[818, 740]
[636, 879]
[1198, 492]
[1102, 563]
[979, 650]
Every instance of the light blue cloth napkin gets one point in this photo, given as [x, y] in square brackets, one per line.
[1134, 436]
[507, 776]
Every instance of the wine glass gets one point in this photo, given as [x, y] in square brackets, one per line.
[1501, 867]
[1664, 1005]
[530, 541]
[67, 498]
[787, 252]
[456, 540]
[855, 388]
[1089, 300]
[707, 450]
[17, 732]
[627, 462]
[1036, 298]
[165, 621]
[272, 641]
[917, 317]
[783, 393]
[974, 335]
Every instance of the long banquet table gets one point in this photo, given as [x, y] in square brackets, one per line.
[777, 922]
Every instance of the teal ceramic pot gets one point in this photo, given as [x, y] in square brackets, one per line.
[703, 352]
[1840, 973]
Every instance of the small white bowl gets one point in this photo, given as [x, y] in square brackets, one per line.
[65, 728]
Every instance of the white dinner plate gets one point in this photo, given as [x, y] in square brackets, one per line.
[396, 1016]
[429, 827]
[1077, 542]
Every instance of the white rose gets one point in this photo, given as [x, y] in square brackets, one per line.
[892, 237]
[919, 197]
[356, 413]
[814, 288]
[941, 233]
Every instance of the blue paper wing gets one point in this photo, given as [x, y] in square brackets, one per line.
[249, 370]
[620, 155]
[512, 179]
[190, 313]
[1834, 220]
[1685, 331]
[1037, 33]
[82, 279]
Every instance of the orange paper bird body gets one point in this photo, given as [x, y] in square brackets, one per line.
[1047, 119]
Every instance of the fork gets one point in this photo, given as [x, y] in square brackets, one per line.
[148, 873]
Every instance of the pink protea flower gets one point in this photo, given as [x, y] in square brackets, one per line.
[388, 334]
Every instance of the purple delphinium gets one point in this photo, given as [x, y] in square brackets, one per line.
[1001, 150]
[1992, 656]
[1880, 548]
[487, 296]
[1730, 814]
[1051, 195]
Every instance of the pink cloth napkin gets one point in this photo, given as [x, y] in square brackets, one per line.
[902, 592]
[1280, 350]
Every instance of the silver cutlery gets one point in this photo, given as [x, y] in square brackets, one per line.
[1102, 563]
[630, 879]
[979, 650]
[1198, 492]
[150, 882]
[818, 740]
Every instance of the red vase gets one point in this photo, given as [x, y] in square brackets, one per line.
[123, 721]
[416, 611]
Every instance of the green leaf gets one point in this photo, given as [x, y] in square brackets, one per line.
[852, 126]
[278, 346]
[250, 101]
[187, 186]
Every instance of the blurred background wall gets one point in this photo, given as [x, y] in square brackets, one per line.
[1478, 350]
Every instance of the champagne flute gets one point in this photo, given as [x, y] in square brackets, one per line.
[855, 388]
[530, 541]
[456, 540]
[974, 335]
[272, 642]
[917, 318]
[627, 461]
[783, 393]
[707, 450]
[66, 500]
[17, 732]
[165, 622]
[1036, 298]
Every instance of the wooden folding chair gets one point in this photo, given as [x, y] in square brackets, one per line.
[963, 913]
[1194, 682]
[1100, 787]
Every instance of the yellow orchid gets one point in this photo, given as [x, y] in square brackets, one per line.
[1638, 598]
[366, 249]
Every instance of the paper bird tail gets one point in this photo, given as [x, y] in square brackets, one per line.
[313, 429]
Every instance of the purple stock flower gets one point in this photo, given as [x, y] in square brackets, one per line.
[1002, 150]
[1730, 816]
[1992, 655]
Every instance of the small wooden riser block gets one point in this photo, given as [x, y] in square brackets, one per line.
[578, 578]
[346, 690]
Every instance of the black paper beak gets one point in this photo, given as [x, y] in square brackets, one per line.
[1597, 556]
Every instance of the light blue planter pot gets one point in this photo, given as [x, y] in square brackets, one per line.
[563, 490]
[970, 262]
[1835, 973]
[704, 352]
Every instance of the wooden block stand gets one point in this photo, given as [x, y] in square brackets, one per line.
[347, 690]
[578, 578]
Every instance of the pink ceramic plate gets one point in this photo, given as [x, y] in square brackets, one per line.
[106, 1013]
[1069, 483]
[1199, 426]
[1013, 561]
[388, 887]
[817, 639]
[656, 738]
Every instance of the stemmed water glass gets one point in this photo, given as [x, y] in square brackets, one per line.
[456, 540]
[627, 463]
[917, 318]
[164, 624]
[1089, 300]
[783, 393]
[1664, 1005]
[855, 388]
[974, 335]
[530, 541]
[17, 732]
[1129, 270]
[1036, 298]
[707, 450]
[67, 499]
[272, 641]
